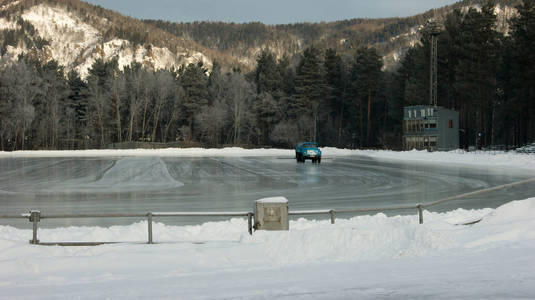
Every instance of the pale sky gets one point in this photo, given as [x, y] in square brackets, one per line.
[268, 11]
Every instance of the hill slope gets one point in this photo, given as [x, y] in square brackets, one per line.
[75, 34]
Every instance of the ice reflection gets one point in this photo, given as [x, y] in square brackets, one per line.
[309, 173]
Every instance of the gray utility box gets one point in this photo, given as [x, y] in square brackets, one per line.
[271, 214]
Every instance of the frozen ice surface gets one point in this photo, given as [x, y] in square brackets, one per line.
[231, 179]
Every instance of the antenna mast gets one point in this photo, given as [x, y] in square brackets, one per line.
[435, 30]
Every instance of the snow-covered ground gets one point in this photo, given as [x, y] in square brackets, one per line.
[365, 257]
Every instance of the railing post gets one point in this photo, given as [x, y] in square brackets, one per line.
[331, 212]
[250, 223]
[420, 214]
[35, 217]
[149, 221]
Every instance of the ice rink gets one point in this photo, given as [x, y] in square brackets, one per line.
[141, 184]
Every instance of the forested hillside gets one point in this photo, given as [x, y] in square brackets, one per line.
[391, 37]
[326, 92]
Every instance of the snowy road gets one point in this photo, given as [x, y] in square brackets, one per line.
[143, 184]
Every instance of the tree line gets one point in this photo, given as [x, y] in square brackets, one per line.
[320, 95]
[278, 104]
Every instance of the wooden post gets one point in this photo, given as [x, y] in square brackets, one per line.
[420, 214]
[250, 223]
[331, 212]
[149, 220]
[35, 217]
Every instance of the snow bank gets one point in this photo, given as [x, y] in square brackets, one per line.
[362, 257]
[504, 159]
[180, 152]
[361, 237]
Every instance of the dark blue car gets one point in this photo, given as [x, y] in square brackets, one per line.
[308, 150]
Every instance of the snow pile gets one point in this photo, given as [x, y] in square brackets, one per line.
[178, 152]
[361, 257]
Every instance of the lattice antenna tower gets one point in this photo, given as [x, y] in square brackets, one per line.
[435, 28]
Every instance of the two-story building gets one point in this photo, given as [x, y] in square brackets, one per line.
[430, 127]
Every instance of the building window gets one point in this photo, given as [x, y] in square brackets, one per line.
[451, 123]
[410, 114]
[423, 113]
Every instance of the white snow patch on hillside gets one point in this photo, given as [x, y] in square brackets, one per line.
[7, 25]
[153, 57]
[196, 57]
[12, 53]
[70, 38]
[161, 58]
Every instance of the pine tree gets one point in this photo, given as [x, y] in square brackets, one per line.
[310, 88]
[76, 107]
[368, 69]
[194, 82]
[98, 88]
[267, 114]
[267, 75]
[335, 89]
[476, 70]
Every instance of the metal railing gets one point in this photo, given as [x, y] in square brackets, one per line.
[334, 212]
[36, 216]
[419, 207]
